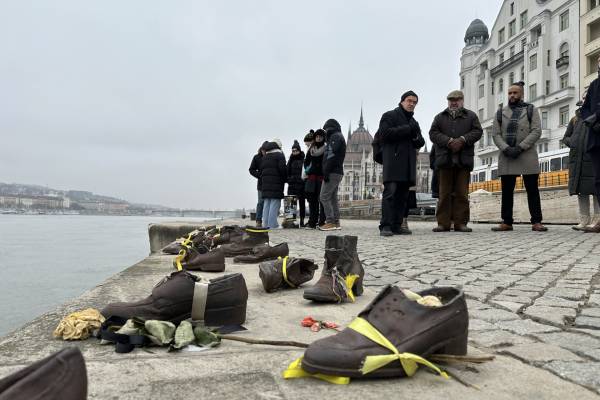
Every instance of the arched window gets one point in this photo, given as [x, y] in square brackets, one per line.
[564, 50]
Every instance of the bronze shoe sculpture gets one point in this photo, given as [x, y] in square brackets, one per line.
[181, 295]
[252, 237]
[286, 272]
[374, 344]
[199, 258]
[196, 236]
[263, 252]
[227, 234]
[61, 376]
[342, 274]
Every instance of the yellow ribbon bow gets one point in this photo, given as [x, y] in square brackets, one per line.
[409, 361]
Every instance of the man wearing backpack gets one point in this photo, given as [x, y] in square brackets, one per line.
[454, 133]
[516, 130]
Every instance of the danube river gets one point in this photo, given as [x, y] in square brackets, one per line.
[46, 260]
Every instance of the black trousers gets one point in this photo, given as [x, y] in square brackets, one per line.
[595, 155]
[317, 214]
[302, 207]
[393, 204]
[533, 197]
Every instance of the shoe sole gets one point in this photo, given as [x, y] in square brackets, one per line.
[320, 299]
[327, 229]
[452, 346]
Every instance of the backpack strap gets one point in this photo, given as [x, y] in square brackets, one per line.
[529, 114]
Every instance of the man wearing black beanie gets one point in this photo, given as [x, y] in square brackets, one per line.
[394, 145]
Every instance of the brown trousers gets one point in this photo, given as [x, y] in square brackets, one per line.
[453, 203]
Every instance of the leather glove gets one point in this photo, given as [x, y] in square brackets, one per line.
[513, 152]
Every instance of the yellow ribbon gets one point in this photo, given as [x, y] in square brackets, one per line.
[409, 361]
[182, 254]
[295, 370]
[284, 270]
[350, 279]
[256, 230]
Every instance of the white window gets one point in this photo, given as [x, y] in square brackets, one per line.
[547, 87]
[481, 91]
[501, 58]
[512, 28]
[522, 72]
[501, 85]
[501, 36]
[533, 62]
[544, 119]
[563, 116]
[523, 19]
[564, 50]
[564, 80]
[563, 21]
[512, 8]
[533, 91]
[511, 78]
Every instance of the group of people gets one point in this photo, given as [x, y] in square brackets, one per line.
[313, 176]
[516, 129]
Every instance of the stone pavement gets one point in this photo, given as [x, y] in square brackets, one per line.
[534, 301]
[532, 296]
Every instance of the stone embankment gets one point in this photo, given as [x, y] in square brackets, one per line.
[534, 302]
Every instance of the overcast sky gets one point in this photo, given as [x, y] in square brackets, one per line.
[167, 101]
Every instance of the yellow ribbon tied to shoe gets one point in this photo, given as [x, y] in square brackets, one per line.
[284, 271]
[182, 253]
[410, 362]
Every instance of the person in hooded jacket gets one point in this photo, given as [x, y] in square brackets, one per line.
[255, 172]
[295, 166]
[395, 142]
[313, 165]
[591, 107]
[333, 172]
[581, 173]
[273, 175]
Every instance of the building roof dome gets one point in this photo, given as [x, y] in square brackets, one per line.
[360, 139]
[476, 30]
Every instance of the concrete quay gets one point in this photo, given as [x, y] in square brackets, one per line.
[534, 302]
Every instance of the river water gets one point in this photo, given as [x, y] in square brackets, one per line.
[46, 260]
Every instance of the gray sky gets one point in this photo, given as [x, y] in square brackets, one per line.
[167, 101]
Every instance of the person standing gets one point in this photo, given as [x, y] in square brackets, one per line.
[394, 144]
[273, 174]
[454, 133]
[333, 172]
[255, 172]
[295, 166]
[591, 107]
[313, 165]
[581, 172]
[516, 130]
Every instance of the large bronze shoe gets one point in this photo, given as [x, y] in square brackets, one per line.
[252, 237]
[342, 274]
[194, 237]
[409, 326]
[227, 234]
[199, 258]
[286, 272]
[181, 295]
[61, 376]
[264, 252]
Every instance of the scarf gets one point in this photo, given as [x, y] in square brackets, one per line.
[513, 124]
[316, 150]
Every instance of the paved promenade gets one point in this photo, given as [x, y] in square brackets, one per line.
[533, 296]
[534, 302]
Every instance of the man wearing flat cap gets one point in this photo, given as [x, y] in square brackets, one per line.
[394, 145]
[454, 133]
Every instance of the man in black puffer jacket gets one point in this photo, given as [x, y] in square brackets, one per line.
[295, 182]
[333, 172]
[397, 138]
[273, 175]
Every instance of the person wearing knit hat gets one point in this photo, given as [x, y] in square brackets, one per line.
[395, 145]
[295, 166]
[255, 172]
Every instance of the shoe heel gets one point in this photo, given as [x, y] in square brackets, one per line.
[456, 346]
[358, 287]
[234, 315]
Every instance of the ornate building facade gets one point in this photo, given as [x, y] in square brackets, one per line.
[534, 41]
